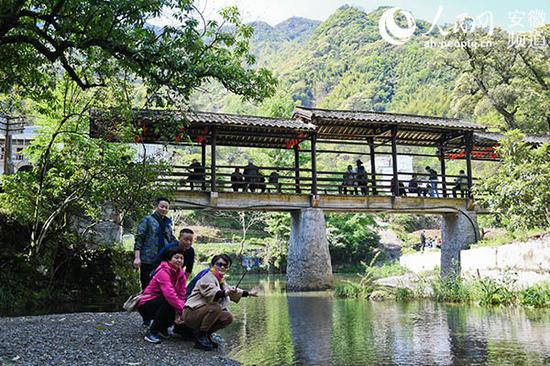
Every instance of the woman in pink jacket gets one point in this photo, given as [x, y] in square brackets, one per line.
[164, 298]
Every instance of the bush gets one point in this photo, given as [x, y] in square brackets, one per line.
[451, 289]
[351, 290]
[404, 294]
[495, 292]
[537, 296]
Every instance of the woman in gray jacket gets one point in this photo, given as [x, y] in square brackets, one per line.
[206, 305]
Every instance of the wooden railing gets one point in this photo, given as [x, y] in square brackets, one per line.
[291, 180]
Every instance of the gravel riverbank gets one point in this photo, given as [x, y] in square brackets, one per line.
[93, 339]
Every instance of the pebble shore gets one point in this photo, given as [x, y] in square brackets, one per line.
[94, 339]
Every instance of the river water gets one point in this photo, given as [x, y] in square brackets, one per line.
[314, 328]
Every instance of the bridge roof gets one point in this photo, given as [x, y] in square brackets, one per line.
[361, 125]
[231, 129]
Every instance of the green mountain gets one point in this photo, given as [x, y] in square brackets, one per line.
[342, 63]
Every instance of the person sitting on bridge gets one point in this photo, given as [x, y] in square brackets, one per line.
[461, 184]
[237, 180]
[348, 180]
[397, 188]
[361, 178]
[413, 185]
[206, 305]
[253, 178]
[274, 179]
[433, 182]
[197, 175]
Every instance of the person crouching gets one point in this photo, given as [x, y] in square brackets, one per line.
[206, 307]
[163, 299]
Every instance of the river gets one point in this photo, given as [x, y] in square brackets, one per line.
[315, 328]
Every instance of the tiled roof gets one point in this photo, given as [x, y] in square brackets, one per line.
[492, 137]
[322, 115]
[210, 118]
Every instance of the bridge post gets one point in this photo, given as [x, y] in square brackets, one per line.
[297, 168]
[394, 161]
[314, 164]
[469, 139]
[213, 162]
[308, 264]
[458, 231]
[441, 153]
[372, 166]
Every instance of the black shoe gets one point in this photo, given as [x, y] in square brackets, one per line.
[152, 337]
[212, 340]
[202, 342]
[184, 332]
[146, 323]
[163, 334]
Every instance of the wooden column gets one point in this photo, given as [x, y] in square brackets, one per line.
[469, 140]
[372, 166]
[297, 168]
[394, 158]
[314, 164]
[441, 154]
[203, 164]
[213, 161]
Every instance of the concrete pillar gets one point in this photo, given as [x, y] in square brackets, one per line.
[458, 231]
[308, 267]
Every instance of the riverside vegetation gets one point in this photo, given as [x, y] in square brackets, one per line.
[482, 291]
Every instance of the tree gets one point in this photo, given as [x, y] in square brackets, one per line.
[74, 178]
[94, 41]
[506, 73]
[519, 192]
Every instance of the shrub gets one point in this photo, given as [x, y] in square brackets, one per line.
[451, 289]
[404, 294]
[350, 290]
[495, 292]
[537, 296]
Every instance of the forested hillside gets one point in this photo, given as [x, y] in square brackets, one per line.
[342, 63]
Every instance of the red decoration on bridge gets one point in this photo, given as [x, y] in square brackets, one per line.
[296, 142]
[202, 137]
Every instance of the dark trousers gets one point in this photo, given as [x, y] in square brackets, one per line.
[160, 312]
[457, 188]
[145, 274]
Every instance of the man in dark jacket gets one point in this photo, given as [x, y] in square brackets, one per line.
[153, 233]
[185, 241]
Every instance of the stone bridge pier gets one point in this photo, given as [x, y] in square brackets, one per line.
[458, 231]
[308, 267]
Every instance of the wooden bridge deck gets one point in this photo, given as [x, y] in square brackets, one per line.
[240, 201]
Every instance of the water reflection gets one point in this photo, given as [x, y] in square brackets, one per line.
[310, 322]
[316, 329]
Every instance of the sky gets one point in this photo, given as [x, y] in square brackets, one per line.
[276, 11]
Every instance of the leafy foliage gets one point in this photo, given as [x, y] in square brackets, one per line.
[537, 296]
[351, 237]
[509, 83]
[519, 192]
[94, 42]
